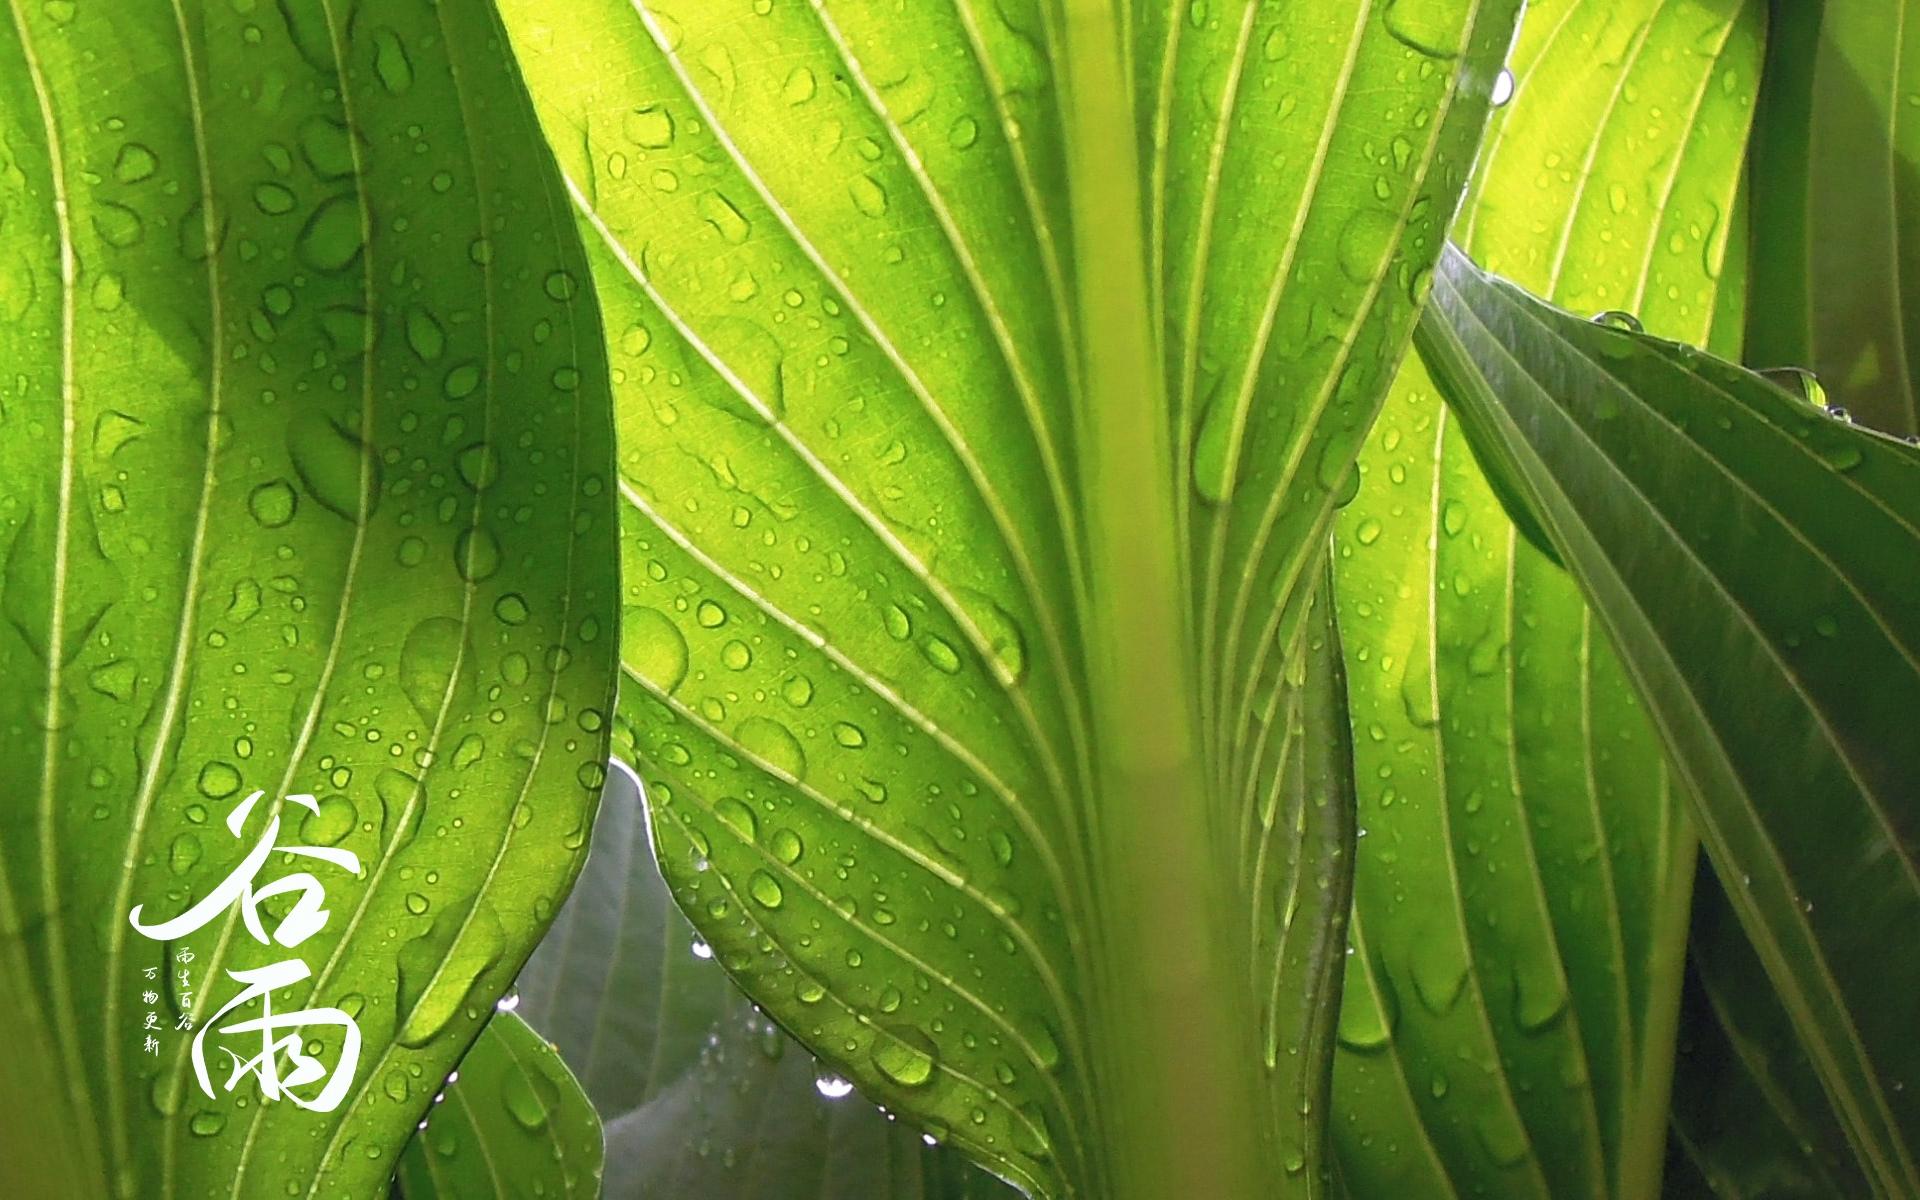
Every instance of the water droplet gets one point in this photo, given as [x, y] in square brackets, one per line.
[650, 127]
[1439, 971]
[1429, 27]
[117, 225]
[524, 1101]
[134, 163]
[1799, 382]
[736, 816]
[1213, 467]
[440, 968]
[1366, 1020]
[786, 846]
[1365, 243]
[333, 465]
[424, 334]
[435, 666]
[1502, 88]
[273, 504]
[476, 554]
[772, 743]
[206, 1123]
[1539, 997]
[1613, 318]
[726, 219]
[218, 780]
[1006, 646]
[765, 890]
[832, 1086]
[332, 238]
[868, 195]
[905, 1055]
[390, 61]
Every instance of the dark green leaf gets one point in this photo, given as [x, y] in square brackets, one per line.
[988, 375]
[305, 487]
[702, 1095]
[1750, 1120]
[511, 1123]
[1756, 564]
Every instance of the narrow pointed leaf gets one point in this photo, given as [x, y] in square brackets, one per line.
[305, 490]
[1836, 186]
[702, 1095]
[988, 375]
[513, 1122]
[1753, 561]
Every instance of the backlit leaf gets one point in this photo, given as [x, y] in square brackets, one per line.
[1522, 886]
[512, 1122]
[305, 488]
[988, 374]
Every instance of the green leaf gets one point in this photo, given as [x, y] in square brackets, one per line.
[1836, 189]
[1521, 891]
[701, 1094]
[305, 457]
[1749, 1117]
[1753, 562]
[511, 1122]
[988, 375]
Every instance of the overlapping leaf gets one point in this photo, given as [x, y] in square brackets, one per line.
[701, 1094]
[1522, 888]
[988, 374]
[304, 488]
[512, 1122]
[1750, 1119]
[1836, 188]
[1754, 562]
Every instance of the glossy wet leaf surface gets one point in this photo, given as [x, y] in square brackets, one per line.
[1752, 559]
[305, 490]
[1523, 879]
[945, 538]
[702, 1094]
[511, 1123]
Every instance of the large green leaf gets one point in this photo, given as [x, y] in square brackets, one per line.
[987, 375]
[701, 1094]
[512, 1122]
[1750, 1119]
[305, 487]
[1521, 891]
[1753, 560]
[1836, 185]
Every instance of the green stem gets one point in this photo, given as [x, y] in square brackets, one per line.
[1181, 1070]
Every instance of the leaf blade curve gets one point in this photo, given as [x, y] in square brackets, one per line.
[241, 539]
[514, 1123]
[1836, 509]
[1508, 766]
[887, 423]
[701, 1094]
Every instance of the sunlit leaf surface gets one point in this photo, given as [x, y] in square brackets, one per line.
[305, 489]
[987, 375]
[1523, 879]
